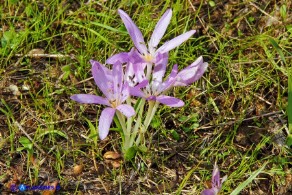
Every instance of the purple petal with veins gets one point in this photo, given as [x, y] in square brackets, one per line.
[173, 43]
[159, 30]
[105, 121]
[90, 99]
[169, 81]
[134, 32]
[125, 93]
[208, 192]
[122, 57]
[117, 79]
[101, 79]
[191, 73]
[150, 54]
[136, 91]
[126, 110]
[170, 101]
[107, 71]
[160, 67]
[216, 177]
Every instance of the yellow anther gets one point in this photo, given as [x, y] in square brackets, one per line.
[148, 57]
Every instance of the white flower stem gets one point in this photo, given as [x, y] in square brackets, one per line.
[153, 111]
[138, 122]
[150, 114]
[149, 70]
[123, 124]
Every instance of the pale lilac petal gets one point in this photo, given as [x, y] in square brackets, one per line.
[191, 73]
[208, 192]
[216, 177]
[130, 75]
[139, 72]
[126, 110]
[223, 179]
[90, 99]
[117, 79]
[169, 81]
[125, 93]
[159, 30]
[170, 101]
[160, 67]
[105, 121]
[122, 57]
[143, 84]
[173, 43]
[136, 91]
[134, 32]
[102, 79]
[135, 56]
[105, 69]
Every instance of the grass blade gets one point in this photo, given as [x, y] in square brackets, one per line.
[289, 108]
[92, 31]
[249, 180]
[277, 47]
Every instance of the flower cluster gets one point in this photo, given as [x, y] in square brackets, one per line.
[139, 73]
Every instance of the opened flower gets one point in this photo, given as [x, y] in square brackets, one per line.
[116, 91]
[216, 182]
[150, 54]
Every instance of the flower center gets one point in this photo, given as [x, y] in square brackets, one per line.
[148, 57]
[114, 103]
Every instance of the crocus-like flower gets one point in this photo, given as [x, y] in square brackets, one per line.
[154, 91]
[116, 91]
[149, 54]
[157, 88]
[216, 182]
[191, 73]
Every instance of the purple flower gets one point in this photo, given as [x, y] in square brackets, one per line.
[140, 87]
[116, 91]
[216, 183]
[149, 54]
[191, 73]
[155, 90]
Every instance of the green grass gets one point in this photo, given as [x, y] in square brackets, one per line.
[236, 115]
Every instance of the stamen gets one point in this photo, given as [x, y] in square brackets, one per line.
[148, 57]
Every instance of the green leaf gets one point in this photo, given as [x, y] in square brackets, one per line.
[289, 28]
[93, 131]
[183, 119]
[175, 135]
[251, 19]
[289, 108]
[278, 48]
[283, 11]
[65, 76]
[212, 3]
[142, 148]
[109, 27]
[13, 1]
[249, 180]
[20, 149]
[155, 123]
[7, 38]
[100, 36]
[66, 68]
[289, 140]
[60, 133]
[26, 143]
[130, 153]
[29, 10]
